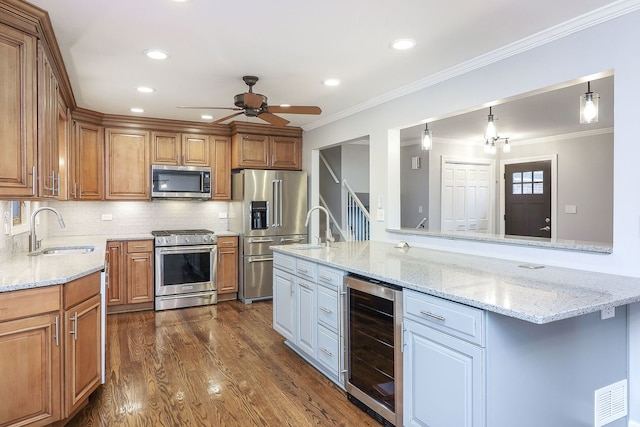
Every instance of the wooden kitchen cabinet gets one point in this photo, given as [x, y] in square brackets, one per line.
[220, 168]
[255, 146]
[172, 148]
[127, 164]
[83, 342]
[18, 109]
[130, 280]
[30, 357]
[48, 170]
[227, 274]
[86, 169]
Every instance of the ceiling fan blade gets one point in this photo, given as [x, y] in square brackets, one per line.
[294, 109]
[209, 108]
[253, 100]
[215, 122]
[273, 119]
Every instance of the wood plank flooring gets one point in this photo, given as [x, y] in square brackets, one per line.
[219, 365]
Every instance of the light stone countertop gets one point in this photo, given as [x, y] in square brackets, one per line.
[537, 295]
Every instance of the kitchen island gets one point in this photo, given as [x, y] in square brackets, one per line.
[544, 339]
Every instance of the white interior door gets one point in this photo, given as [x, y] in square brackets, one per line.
[467, 194]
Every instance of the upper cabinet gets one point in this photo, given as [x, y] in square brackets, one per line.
[18, 109]
[127, 164]
[220, 168]
[170, 148]
[255, 146]
[86, 162]
[49, 184]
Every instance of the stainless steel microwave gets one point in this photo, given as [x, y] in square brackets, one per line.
[180, 182]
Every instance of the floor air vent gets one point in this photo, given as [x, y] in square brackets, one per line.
[610, 403]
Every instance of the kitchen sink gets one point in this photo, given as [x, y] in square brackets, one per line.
[66, 250]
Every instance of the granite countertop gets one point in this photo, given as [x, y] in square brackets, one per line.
[515, 289]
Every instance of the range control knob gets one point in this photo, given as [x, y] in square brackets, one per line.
[186, 239]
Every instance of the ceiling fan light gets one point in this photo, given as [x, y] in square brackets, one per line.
[589, 106]
[427, 139]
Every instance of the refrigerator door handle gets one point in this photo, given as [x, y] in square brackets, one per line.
[276, 202]
[280, 214]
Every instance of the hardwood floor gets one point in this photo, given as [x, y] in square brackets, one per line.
[220, 365]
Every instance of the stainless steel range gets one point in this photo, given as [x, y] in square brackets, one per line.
[186, 265]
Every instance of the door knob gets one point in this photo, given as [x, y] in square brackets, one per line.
[547, 228]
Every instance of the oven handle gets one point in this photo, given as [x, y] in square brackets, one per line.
[250, 260]
[185, 249]
[260, 241]
[199, 294]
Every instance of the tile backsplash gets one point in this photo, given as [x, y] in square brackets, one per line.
[85, 218]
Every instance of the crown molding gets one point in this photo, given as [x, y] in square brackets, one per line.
[579, 23]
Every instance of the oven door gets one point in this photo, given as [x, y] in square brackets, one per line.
[185, 269]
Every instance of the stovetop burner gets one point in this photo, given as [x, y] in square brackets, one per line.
[180, 232]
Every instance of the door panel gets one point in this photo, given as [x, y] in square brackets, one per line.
[528, 199]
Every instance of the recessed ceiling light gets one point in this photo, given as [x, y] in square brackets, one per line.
[137, 110]
[403, 44]
[204, 116]
[145, 89]
[331, 82]
[285, 105]
[156, 54]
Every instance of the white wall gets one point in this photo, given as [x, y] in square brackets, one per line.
[610, 45]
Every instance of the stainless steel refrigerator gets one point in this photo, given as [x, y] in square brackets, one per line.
[268, 208]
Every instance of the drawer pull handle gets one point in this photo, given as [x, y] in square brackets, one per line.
[305, 286]
[325, 279]
[325, 309]
[302, 270]
[325, 351]
[435, 316]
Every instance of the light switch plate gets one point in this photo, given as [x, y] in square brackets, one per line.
[380, 215]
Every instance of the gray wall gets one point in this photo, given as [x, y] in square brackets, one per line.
[355, 166]
[414, 189]
[330, 191]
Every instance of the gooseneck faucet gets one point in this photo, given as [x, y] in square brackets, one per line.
[328, 236]
[34, 244]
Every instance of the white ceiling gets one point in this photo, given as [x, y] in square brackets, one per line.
[291, 45]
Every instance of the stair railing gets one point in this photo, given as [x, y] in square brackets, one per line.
[356, 218]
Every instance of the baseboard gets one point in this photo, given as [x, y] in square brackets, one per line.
[634, 423]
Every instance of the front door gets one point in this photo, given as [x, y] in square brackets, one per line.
[528, 199]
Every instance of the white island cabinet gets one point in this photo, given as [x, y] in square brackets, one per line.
[306, 311]
[486, 343]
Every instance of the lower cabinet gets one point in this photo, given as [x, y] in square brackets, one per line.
[306, 311]
[50, 351]
[129, 275]
[227, 273]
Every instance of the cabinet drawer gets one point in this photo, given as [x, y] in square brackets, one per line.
[284, 262]
[29, 302]
[139, 246]
[328, 349]
[328, 276]
[328, 307]
[227, 242]
[306, 269]
[449, 317]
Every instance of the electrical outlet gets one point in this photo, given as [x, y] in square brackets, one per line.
[106, 217]
[607, 313]
[420, 209]
[223, 215]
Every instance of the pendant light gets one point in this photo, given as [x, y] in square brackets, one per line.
[589, 106]
[506, 148]
[491, 132]
[427, 138]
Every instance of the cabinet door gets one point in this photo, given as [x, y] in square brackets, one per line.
[127, 164]
[227, 265]
[165, 148]
[139, 277]
[83, 355]
[115, 273]
[284, 304]
[87, 162]
[48, 168]
[443, 379]
[221, 168]
[249, 151]
[286, 152]
[195, 150]
[307, 324]
[18, 109]
[30, 368]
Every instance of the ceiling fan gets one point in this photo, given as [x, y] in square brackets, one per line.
[255, 105]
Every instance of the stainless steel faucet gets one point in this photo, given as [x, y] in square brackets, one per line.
[34, 243]
[328, 236]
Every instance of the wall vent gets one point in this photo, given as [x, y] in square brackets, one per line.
[610, 403]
